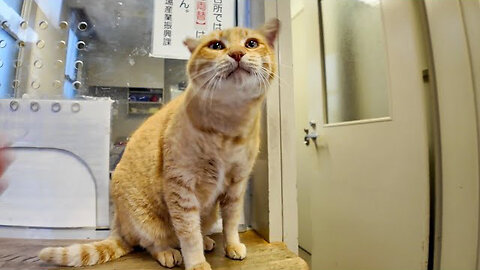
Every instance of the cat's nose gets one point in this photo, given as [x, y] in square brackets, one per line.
[237, 55]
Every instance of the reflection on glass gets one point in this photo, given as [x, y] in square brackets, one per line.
[355, 64]
[67, 49]
[71, 48]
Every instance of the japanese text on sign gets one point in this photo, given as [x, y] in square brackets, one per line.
[175, 20]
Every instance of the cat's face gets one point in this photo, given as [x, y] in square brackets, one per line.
[236, 62]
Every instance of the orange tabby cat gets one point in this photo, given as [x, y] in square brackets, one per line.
[191, 158]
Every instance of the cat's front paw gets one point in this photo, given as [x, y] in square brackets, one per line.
[237, 251]
[169, 258]
[208, 244]
[200, 266]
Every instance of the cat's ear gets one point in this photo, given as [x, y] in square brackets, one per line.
[191, 44]
[270, 30]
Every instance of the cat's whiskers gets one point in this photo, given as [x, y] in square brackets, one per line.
[263, 80]
[200, 94]
[210, 90]
[259, 74]
[203, 72]
[216, 81]
[276, 76]
[207, 90]
[208, 87]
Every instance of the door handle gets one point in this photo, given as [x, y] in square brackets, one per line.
[310, 135]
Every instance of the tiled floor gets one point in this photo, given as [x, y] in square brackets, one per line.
[21, 254]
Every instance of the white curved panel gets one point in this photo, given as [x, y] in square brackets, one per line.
[79, 127]
[42, 197]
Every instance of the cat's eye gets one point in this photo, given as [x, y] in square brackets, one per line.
[216, 45]
[251, 43]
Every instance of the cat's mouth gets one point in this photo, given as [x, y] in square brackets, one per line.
[238, 70]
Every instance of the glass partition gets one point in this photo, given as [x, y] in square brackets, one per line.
[73, 50]
[67, 49]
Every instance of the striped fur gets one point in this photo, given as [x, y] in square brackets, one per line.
[86, 254]
[190, 159]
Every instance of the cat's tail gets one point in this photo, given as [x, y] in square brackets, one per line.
[86, 254]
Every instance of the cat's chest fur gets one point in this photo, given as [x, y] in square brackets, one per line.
[210, 156]
[221, 167]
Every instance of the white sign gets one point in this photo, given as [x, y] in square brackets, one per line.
[175, 20]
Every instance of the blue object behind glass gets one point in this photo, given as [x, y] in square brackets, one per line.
[70, 71]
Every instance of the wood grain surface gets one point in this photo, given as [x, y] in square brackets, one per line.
[22, 254]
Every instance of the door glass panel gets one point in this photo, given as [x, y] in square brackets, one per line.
[355, 65]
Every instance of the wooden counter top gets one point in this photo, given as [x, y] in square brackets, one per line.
[21, 254]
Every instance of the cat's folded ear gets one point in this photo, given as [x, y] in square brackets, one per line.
[191, 44]
[270, 30]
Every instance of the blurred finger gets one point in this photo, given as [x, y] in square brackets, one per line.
[4, 143]
[3, 185]
[5, 160]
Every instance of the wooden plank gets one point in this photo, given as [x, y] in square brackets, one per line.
[22, 254]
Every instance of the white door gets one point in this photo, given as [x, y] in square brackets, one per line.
[364, 183]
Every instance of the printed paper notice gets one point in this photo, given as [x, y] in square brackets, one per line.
[175, 20]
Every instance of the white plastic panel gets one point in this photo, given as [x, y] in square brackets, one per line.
[71, 168]
[44, 197]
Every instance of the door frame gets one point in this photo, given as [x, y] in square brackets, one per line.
[274, 195]
[287, 129]
[457, 243]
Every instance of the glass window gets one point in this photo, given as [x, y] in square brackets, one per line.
[68, 49]
[8, 46]
[355, 64]
[74, 49]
